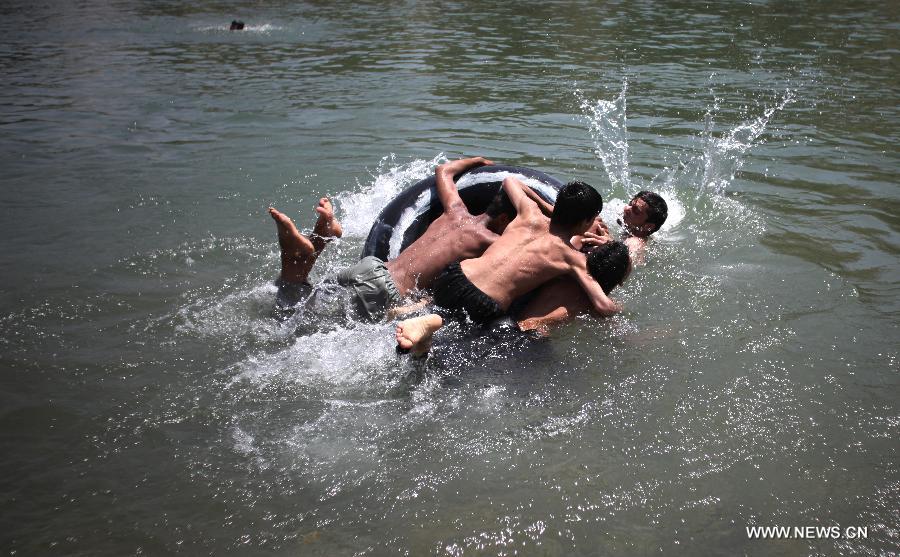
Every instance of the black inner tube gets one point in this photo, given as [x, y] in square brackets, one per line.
[476, 196]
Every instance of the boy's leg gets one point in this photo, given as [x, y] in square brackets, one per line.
[400, 311]
[299, 253]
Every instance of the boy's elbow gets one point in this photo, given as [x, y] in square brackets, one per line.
[607, 308]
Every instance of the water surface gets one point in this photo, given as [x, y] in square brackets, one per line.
[151, 405]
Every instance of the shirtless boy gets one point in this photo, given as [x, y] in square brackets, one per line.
[532, 250]
[644, 215]
[377, 286]
[561, 300]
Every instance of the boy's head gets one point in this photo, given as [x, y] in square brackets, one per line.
[577, 204]
[609, 264]
[501, 212]
[645, 213]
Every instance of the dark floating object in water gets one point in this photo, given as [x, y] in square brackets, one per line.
[236, 25]
[475, 194]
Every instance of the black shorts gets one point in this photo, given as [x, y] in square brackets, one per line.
[454, 291]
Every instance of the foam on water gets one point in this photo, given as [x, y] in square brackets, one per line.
[258, 28]
[360, 208]
[227, 315]
[344, 356]
[608, 126]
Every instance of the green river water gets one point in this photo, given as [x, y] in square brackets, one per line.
[149, 404]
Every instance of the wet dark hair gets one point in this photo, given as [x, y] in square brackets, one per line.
[657, 210]
[608, 263]
[576, 203]
[501, 205]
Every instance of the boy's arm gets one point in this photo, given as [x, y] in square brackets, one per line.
[543, 324]
[446, 186]
[557, 302]
[545, 207]
[601, 303]
[515, 190]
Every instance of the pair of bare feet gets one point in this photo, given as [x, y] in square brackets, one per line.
[299, 253]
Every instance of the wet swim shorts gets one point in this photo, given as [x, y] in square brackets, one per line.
[372, 285]
[453, 290]
[290, 293]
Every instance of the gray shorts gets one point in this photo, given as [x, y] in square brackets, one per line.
[372, 286]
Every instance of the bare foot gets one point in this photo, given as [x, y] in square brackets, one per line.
[296, 248]
[289, 238]
[327, 226]
[414, 335]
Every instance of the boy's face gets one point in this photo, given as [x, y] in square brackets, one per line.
[634, 217]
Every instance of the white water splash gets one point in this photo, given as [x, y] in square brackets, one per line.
[713, 169]
[722, 156]
[218, 315]
[608, 126]
[359, 209]
[261, 29]
[343, 357]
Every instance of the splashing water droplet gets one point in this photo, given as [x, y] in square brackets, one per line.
[361, 207]
[608, 126]
[722, 155]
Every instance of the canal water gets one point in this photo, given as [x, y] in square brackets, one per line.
[149, 404]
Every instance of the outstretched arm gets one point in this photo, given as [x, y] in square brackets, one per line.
[516, 192]
[599, 300]
[446, 186]
[545, 207]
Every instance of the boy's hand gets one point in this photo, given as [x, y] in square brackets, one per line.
[591, 239]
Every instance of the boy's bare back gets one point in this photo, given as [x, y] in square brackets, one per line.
[523, 258]
[527, 255]
[456, 234]
[452, 236]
